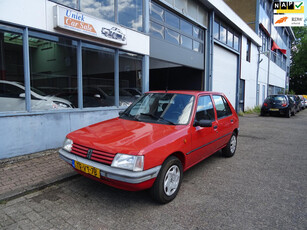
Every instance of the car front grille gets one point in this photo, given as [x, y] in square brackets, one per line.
[93, 154]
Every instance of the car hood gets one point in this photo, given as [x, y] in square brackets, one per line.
[122, 136]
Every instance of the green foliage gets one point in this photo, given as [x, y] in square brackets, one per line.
[256, 110]
[298, 69]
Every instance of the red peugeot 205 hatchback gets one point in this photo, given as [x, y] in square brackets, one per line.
[154, 141]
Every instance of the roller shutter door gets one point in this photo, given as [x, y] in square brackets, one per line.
[225, 73]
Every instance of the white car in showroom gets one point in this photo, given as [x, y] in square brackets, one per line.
[12, 98]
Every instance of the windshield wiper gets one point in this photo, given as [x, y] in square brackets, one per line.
[150, 115]
[170, 122]
[158, 118]
[127, 114]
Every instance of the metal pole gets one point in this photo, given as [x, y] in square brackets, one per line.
[79, 75]
[25, 41]
[116, 77]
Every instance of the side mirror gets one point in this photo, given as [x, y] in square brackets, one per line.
[97, 96]
[121, 113]
[22, 95]
[203, 123]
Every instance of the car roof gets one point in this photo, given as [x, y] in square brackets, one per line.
[190, 92]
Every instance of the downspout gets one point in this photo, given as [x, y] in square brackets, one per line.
[257, 77]
[209, 82]
[269, 62]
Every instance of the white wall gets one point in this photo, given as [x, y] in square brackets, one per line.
[249, 74]
[277, 75]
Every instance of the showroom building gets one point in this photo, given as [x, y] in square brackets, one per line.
[65, 64]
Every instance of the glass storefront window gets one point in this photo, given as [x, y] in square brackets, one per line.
[156, 12]
[130, 14]
[171, 20]
[216, 30]
[197, 46]
[130, 78]
[186, 42]
[156, 30]
[186, 27]
[69, 3]
[172, 36]
[229, 38]
[223, 32]
[198, 33]
[99, 8]
[53, 69]
[12, 91]
[98, 76]
[236, 42]
[173, 28]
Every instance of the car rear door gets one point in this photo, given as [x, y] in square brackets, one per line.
[225, 121]
[202, 138]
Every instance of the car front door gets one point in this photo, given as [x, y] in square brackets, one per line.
[203, 138]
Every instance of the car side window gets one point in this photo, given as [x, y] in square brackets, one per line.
[222, 107]
[205, 109]
[7, 90]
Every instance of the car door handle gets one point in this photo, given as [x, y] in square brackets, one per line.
[231, 120]
[215, 127]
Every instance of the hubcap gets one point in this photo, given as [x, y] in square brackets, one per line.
[171, 180]
[233, 144]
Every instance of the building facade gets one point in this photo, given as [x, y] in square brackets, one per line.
[275, 52]
[68, 64]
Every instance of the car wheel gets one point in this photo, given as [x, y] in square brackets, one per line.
[231, 147]
[168, 181]
[288, 113]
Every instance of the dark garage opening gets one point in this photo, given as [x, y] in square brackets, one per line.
[164, 75]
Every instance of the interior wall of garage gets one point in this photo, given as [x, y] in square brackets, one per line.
[165, 75]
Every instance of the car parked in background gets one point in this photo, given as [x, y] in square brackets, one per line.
[303, 101]
[297, 102]
[154, 141]
[278, 104]
[12, 98]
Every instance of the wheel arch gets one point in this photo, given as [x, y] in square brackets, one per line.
[180, 156]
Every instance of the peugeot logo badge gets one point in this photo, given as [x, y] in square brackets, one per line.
[89, 153]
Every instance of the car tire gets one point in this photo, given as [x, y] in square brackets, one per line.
[168, 181]
[231, 146]
[288, 113]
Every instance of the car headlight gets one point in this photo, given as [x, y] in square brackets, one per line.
[58, 104]
[129, 162]
[68, 145]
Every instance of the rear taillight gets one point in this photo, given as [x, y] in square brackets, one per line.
[265, 104]
[284, 105]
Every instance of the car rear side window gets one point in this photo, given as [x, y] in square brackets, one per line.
[222, 107]
[205, 109]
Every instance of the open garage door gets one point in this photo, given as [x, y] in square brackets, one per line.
[165, 75]
[225, 73]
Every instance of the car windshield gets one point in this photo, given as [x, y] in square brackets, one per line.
[163, 108]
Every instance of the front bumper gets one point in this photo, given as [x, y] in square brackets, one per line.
[113, 173]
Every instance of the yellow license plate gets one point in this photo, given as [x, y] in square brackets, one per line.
[274, 109]
[86, 168]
